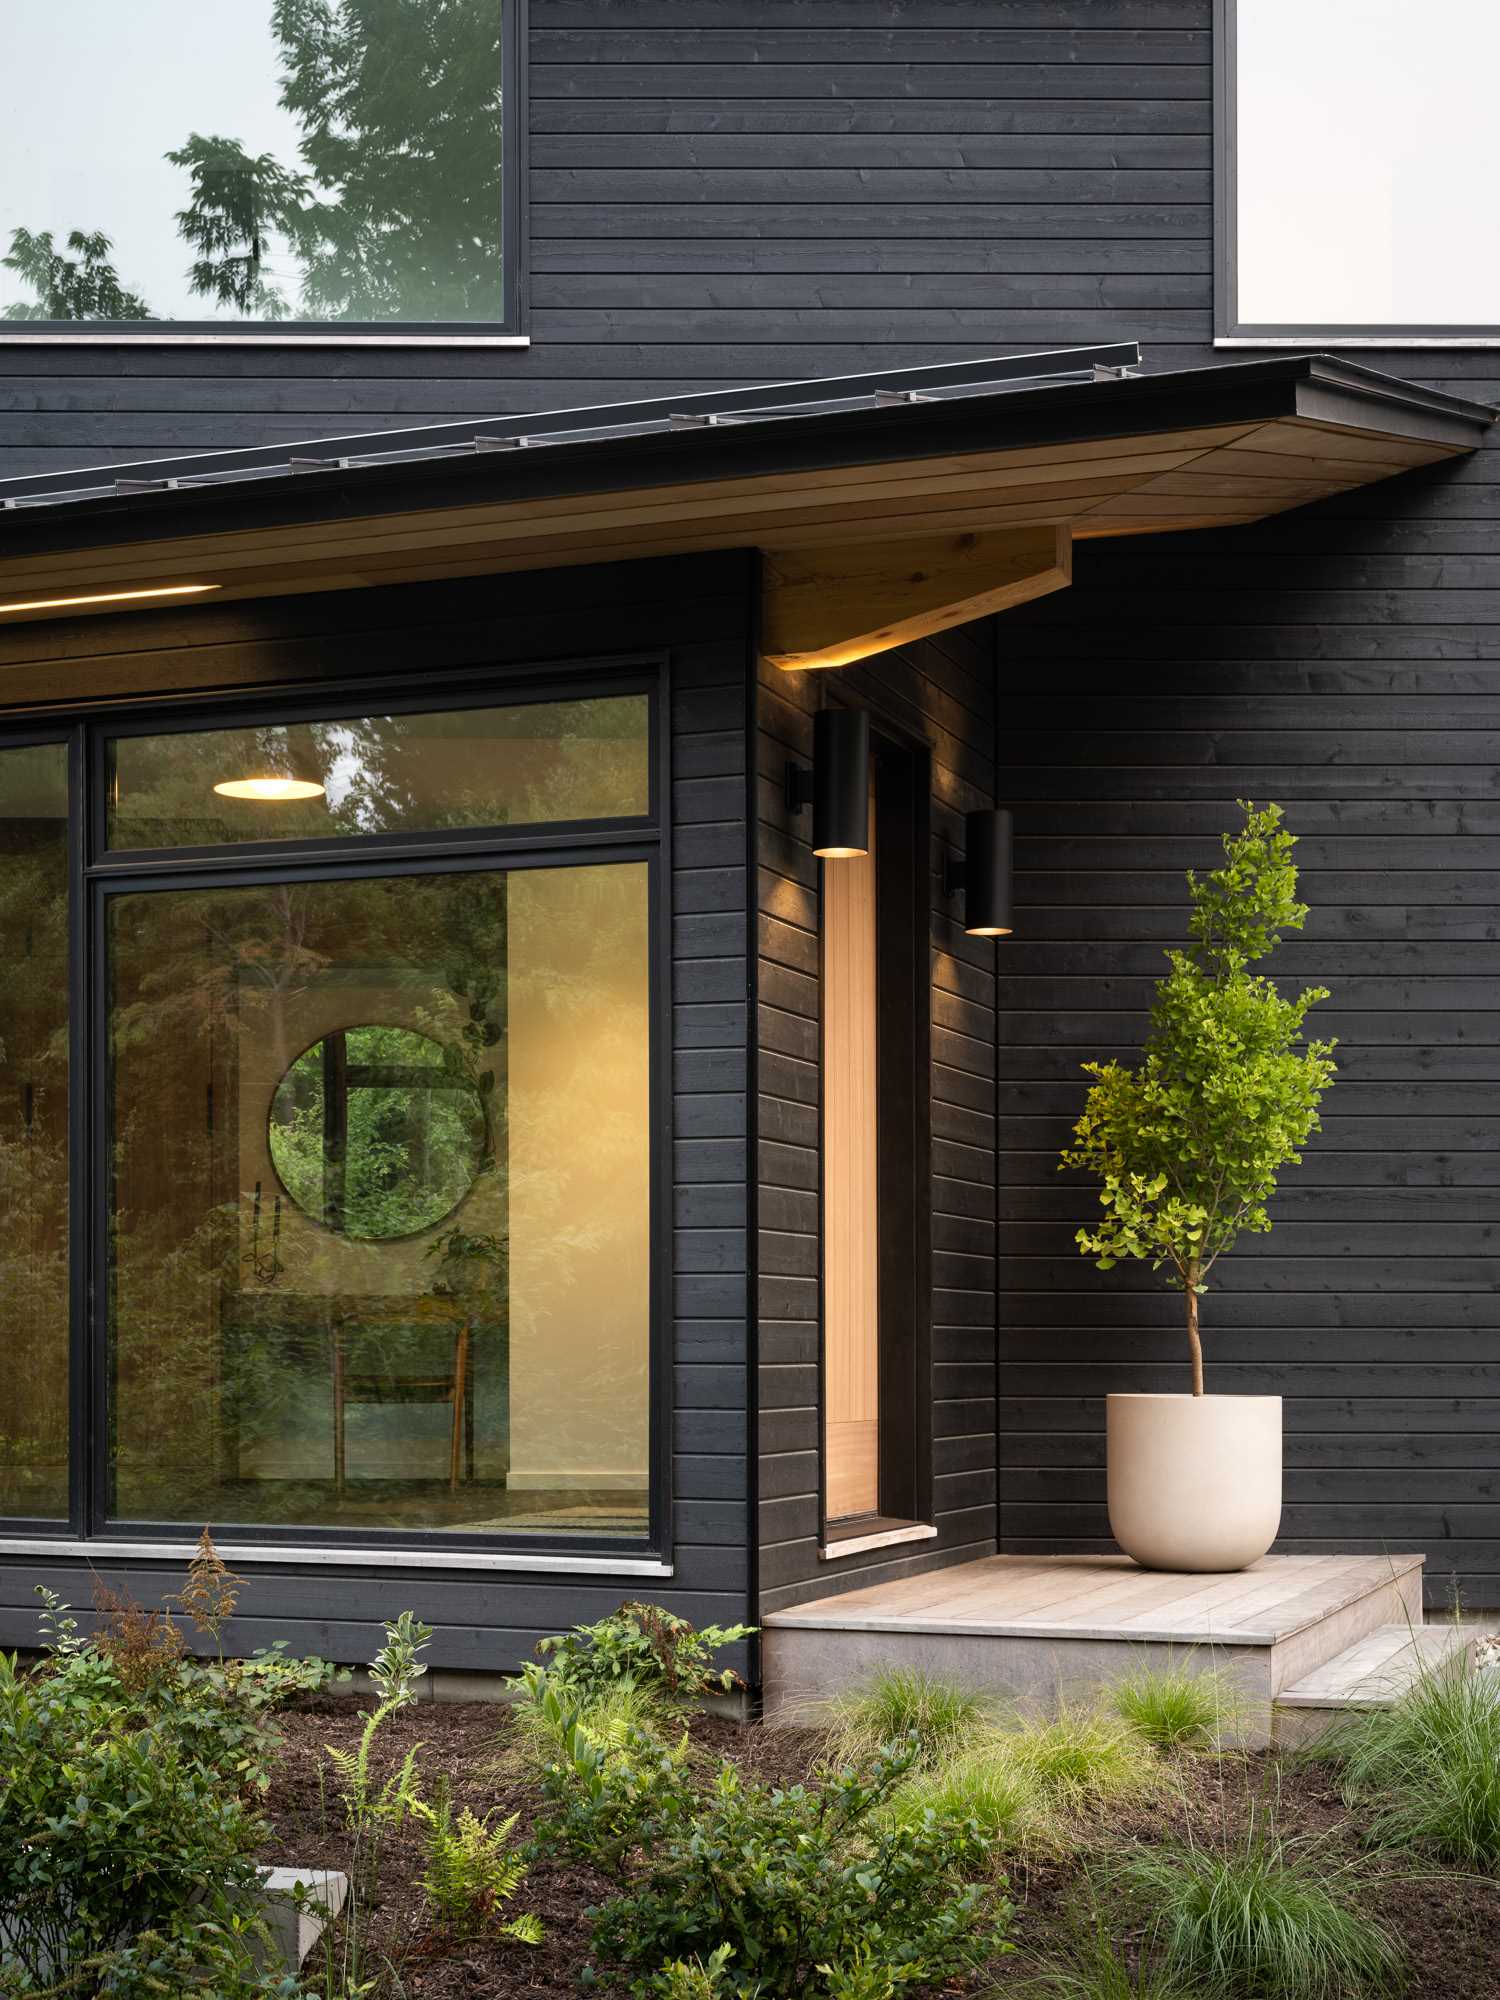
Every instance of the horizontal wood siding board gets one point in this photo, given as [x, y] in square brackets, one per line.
[697, 610]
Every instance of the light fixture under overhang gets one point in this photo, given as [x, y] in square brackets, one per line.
[838, 785]
[109, 597]
[984, 874]
[269, 788]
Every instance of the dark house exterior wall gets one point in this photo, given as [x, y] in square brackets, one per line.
[733, 190]
[695, 613]
[1344, 662]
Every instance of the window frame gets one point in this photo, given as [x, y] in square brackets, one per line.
[510, 330]
[96, 876]
[1229, 329]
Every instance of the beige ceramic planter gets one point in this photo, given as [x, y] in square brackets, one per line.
[1194, 1481]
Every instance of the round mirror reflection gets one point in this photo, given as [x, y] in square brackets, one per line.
[377, 1132]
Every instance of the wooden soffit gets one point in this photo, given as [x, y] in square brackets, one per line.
[880, 530]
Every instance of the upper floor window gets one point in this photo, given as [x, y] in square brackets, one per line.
[1354, 173]
[272, 167]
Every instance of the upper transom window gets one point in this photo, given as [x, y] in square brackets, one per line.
[1354, 173]
[274, 165]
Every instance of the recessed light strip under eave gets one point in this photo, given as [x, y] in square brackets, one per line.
[109, 597]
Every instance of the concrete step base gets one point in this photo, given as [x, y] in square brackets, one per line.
[1048, 1629]
[1372, 1673]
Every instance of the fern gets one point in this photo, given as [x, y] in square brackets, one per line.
[471, 1872]
[364, 1804]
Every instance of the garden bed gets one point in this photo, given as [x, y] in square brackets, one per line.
[1447, 1923]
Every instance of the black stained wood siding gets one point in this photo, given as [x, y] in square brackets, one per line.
[696, 611]
[940, 694]
[747, 190]
[1333, 661]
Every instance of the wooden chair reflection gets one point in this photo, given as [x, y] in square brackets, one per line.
[355, 1384]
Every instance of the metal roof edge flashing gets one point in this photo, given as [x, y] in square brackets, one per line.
[761, 402]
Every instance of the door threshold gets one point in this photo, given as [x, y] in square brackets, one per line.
[888, 1536]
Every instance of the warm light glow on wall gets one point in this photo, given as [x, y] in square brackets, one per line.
[109, 597]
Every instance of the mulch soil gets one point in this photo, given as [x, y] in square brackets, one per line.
[1450, 1925]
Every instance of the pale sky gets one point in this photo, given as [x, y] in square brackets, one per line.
[94, 92]
[1366, 167]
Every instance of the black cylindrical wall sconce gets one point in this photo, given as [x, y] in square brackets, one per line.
[841, 783]
[838, 786]
[984, 874]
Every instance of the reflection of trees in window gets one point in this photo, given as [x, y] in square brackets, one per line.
[378, 1131]
[33, 1132]
[392, 211]
[522, 765]
[84, 286]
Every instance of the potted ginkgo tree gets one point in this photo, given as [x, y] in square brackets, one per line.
[1186, 1145]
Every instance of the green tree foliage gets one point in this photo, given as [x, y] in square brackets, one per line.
[399, 104]
[392, 211]
[1186, 1147]
[83, 286]
[239, 205]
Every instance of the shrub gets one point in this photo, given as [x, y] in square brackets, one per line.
[125, 1857]
[900, 1704]
[647, 1646]
[815, 1890]
[143, 1647]
[130, 1665]
[1268, 1920]
[1173, 1708]
[694, 1979]
[1432, 1764]
[271, 1676]
[471, 1872]
[611, 1714]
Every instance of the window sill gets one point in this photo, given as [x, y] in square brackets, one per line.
[1333, 342]
[884, 1538]
[259, 337]
[297, 1555]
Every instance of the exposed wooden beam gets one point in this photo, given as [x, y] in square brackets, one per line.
[827, 607]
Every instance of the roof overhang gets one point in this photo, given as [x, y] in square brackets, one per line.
[886, 505]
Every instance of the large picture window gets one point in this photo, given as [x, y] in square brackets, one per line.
[369, 1199]
[1353, 173]
[34, 1131]
[280, 166]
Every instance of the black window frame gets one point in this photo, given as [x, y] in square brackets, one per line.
[509, 330]
[97, 875]
[1229, 329]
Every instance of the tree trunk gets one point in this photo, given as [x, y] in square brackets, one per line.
[1195, 1346]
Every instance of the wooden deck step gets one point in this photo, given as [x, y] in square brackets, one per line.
[1047, 1629]
[1372, 1673]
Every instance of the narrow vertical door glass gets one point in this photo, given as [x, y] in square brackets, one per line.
[34, 1132]
[380, 1202]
